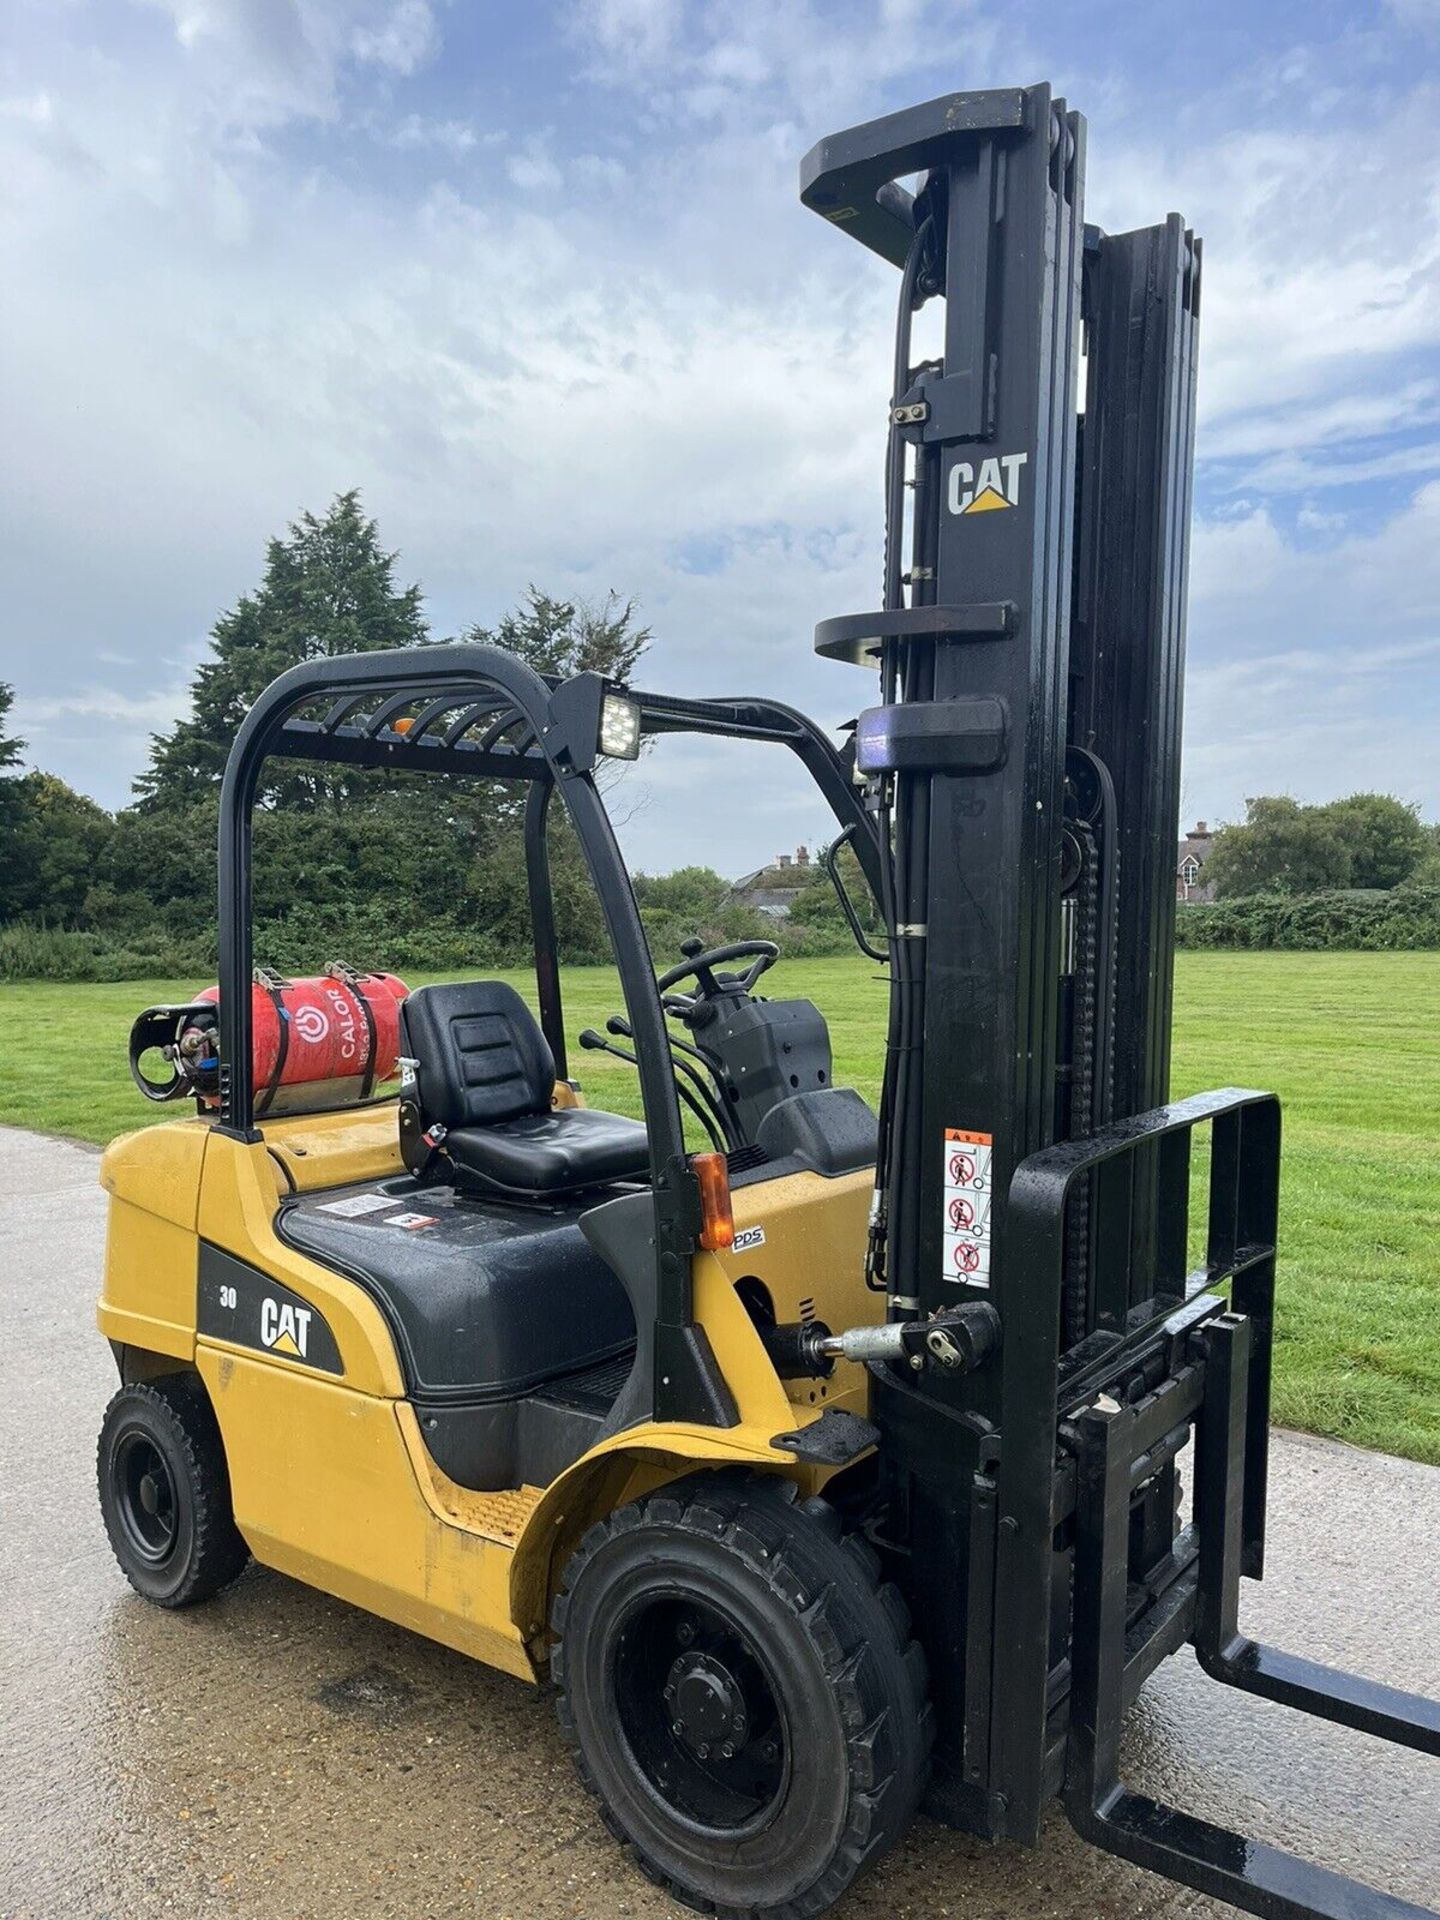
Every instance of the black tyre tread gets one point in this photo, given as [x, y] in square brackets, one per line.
[889, 1756]
[218, 1554]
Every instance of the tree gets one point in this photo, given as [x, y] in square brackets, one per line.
[558, 638]
[1367, 841]
[818, 904]
[697, 893]
[342, 855]
[1282, 848]
[329, 588]
[57, 848]
[164, 858]
[1387, 841]
[562, 637]
[11, 751]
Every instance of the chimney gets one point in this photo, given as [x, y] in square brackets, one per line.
[802, 856]
[1200, 829]
[782, 859]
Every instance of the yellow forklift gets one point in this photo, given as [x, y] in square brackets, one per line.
[826, 1460]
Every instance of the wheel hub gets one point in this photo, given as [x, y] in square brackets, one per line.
[145, 1497]
[707, 1705]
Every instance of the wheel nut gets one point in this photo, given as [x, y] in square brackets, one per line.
[703, 1750]
[677, 1726]
[728, 1751]
[670, 1690]
[685, 1633]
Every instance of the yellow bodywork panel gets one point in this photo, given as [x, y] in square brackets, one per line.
[237, 1213]
[325, 1490]
[332, 1481]
[153, 1179]
[811, 1262]
[339, 1149]
[617, 1471]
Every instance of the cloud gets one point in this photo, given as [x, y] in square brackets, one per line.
[532, 168]
[629, 32]
[155, 709]
[1321, 306]
[262, 63]
[1298, 472]
[1339, 694]
[1335, 419]
[415, 133]
[813, 62]
[617, 353]
[63, 728]
[402, 39]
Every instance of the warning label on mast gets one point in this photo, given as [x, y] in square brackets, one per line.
[967, 1189]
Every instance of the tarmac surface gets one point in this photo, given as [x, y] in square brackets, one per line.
[277, 1755]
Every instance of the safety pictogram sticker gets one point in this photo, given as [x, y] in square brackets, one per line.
[967, 1188]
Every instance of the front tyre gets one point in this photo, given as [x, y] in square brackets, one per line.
[741, 1694]
[165, 1492]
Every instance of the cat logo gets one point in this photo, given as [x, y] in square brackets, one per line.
[995, 487]
[283, 1328]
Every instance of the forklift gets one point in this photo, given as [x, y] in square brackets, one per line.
[825, 1462]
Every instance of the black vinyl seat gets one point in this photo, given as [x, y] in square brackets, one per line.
[485, 1073]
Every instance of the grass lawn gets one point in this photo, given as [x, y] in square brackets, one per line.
[1351, 1042]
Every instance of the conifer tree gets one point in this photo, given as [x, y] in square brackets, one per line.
[329, 588]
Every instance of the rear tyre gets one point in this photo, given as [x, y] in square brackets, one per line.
[741, 1694]
[165, 1492]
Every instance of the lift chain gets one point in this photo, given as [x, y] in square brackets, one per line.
[1082, 1075]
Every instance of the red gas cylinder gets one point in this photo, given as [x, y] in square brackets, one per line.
[322, 1041]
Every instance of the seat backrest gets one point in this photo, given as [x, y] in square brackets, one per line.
[482, 1057]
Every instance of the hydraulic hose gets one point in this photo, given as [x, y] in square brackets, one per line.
[897, 889]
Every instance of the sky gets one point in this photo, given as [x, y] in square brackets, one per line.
[536, 280]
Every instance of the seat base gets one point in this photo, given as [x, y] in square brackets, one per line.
[562, 1151]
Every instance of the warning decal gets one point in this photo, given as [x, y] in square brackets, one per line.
[966, 1237]
[355, 1205]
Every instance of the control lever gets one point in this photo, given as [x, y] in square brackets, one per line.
[621, 1027]
[594, 1042]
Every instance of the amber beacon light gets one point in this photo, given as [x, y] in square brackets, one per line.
[717, 1221]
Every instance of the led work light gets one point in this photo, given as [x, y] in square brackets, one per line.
[620, 727]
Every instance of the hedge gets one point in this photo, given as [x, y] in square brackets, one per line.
[1406, 919]
[365, 935]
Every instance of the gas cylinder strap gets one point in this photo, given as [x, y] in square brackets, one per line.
[352, 978]
[274, 984]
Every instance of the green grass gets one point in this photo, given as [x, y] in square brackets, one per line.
[1351, 1042]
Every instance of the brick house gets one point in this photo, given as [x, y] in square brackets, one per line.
[773, 889]
[1195, 849]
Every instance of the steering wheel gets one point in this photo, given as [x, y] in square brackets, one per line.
[762, 955]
